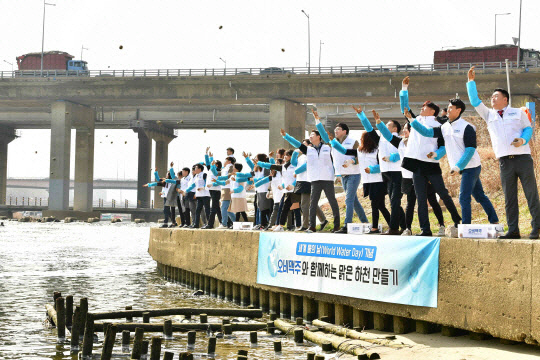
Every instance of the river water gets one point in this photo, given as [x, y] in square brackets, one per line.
[110, 265]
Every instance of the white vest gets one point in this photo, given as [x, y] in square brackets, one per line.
[200, 183]
[339, 159]
[276, 193]
[302, 159]
[287, 177]
[365, 160]
[263, 188]
[319, 164]
[210, 180]
[165, 190]
[192, 181]
[185, 182]
[419, 146]
[225, 172]
[453, 141]
[401, 149]
[386, 149]
[504, 130]
[241, 194]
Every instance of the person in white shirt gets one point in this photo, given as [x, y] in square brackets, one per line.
[510, 131]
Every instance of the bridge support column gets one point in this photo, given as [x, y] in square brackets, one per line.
[7, 135]
[160, 160]
[84, 162]
[60, 153]
[143, 171]
[287, 115]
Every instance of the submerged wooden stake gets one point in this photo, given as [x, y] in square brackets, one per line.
[167, 329]
[88, 341]
[75, 329]
[211, 345]
[125, 338]
[191, 337]
[108, 343]
[249, 313]
[69, 311]
[137, 344]
[129, 318]
[60, 318]
[155, 348]
[167, 355]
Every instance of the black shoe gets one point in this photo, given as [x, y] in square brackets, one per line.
[164, 226]
[374, 231]
[343, 230]
[534, 234]
[514, 235]
[207, 227]
[172, 225]
[425, 233]
[185, 226]
[323, 224]
[191, 226]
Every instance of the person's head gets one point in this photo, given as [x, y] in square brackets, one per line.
[341, 130]
[262, 157]
[456, 107]
[168, 175]
[238, 167]
[218, 165]
[180, 174]
[393, 126]
[406, 130]
[315, 137]
[230, 151]
[499, 99]
[429, 109]
[306, 142]
[198, 168]
[230, 160]
[444, 112]
[288, 155]
[280, 153]
[278, 162]
[367, 144]
[185, 172]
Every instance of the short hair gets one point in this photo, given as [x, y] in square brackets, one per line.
[198, 166]
[459, 104]
[445, 109]
[280, 152]
[407, 126]
[238, 166]
[397, 125]
[344, 127]
[504, 92]
[289, 152]
[308, 141]
[433, 106]
[186, 169]
[316, 133]
[262, 157]
[230, 149]
[218, 165]
[231, 159]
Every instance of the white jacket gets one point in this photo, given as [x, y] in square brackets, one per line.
[319, 164]
[340, 159]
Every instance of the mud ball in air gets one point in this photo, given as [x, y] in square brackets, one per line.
[121, 47]
[220, 27]
[282, 50]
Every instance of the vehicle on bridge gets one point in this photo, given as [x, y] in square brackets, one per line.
[55, 63]
[490, 56]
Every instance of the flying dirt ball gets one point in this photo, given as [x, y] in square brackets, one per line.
[121, 47]
[282, 50]
[220, 27]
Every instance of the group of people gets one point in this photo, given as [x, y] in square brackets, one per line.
[396, 161]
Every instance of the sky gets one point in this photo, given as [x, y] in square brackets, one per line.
[167, 34]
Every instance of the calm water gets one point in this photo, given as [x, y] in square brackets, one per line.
[110, 265]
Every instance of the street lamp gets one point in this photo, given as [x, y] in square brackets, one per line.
[308, 40]
[83, 48]
[496, 25]
[519, 37]
[320, 47]
[7, 62]
[224, 62]
[43, 34]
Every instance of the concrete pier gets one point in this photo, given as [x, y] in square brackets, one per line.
[7, 135]
[287, 115]
[489, 287]
[144, 171]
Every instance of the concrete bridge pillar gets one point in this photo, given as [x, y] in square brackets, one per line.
[84, 160]
[160, 160]
[287, 115]
[7, 134]
[143, 171]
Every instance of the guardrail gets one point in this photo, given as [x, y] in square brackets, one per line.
[324, 70]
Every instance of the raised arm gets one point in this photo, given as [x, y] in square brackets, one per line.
[404, 95]
[366, 124]
[301, 168]
[291, 140]
[320, 127]
[294, 158]
[341, 149]
[475, 101]
[392, 139]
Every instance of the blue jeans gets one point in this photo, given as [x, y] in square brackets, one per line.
[350, 185]
[225, 215]
[471, 185]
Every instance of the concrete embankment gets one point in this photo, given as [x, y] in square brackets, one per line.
[485, 286]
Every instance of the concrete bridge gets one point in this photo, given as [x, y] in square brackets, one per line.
[43, 183]
[155, 106]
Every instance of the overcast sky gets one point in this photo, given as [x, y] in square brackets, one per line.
[163, 34]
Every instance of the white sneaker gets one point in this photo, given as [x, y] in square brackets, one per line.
[406, 232]
[441, 231]
[451, 232]
[221, 227]
[278, 228]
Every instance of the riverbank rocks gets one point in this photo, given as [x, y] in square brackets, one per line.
[3, 218]
[70, 219]
[25, 219]
[114, 221]
[48, 219]
[139, 221]
[93, 220]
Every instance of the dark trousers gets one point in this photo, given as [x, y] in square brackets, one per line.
[265, 216]
[377, 205]
[181, 213]
[393, 185]
[513, 168]
[296, 217]
[411, 203]
[420, 186]
[243, 214]
[215, 209]
[316, 188]
[202, 202]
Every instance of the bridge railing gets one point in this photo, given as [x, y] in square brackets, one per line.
[323, 70]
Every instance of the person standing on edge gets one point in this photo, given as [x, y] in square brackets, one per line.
[226, 171]
[422, 158]
[391, 171]
[320, 169]
[184, 184]
[202, 194]
[510, 132]
[350, 175]
[460, 143]
[168, 193]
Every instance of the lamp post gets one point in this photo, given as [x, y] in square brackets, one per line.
[309, 41]
[320, 47]
[519, 37]
[43, 34]
[496, 25]
[83, 48]
[7, 62]
[224, 62]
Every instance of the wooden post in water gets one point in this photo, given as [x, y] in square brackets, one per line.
[227, 329]
[211, 345]
[146, 317]
[137, 344]
[108, 343]
[186, 356]
[125, 338]
[167, 329]
[129, 318]
[56, 295]
[60, 318]
[310, 356]
[88, 341]
[298, 336]
[155, 348]
[204, 318]
[75, 328]
[167, 355]
[145, 345]
[277, 346]
[69, 311]
[83, 303]
[253, 337]
[191, 337]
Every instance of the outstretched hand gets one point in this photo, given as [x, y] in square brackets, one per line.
[145, 185]
[315, 114]
[407, 114]
[172, 164]
[283, 133]
[271, 154]
[471, 74]
[376, 116]
[406, 81]
[357, 109]
[431, 155]
[207, 148]
[210, 154]
[367, 170]
[244, 154]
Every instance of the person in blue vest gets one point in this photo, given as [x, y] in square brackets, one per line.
[463, 158]
[320, 169]
[510, 131]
